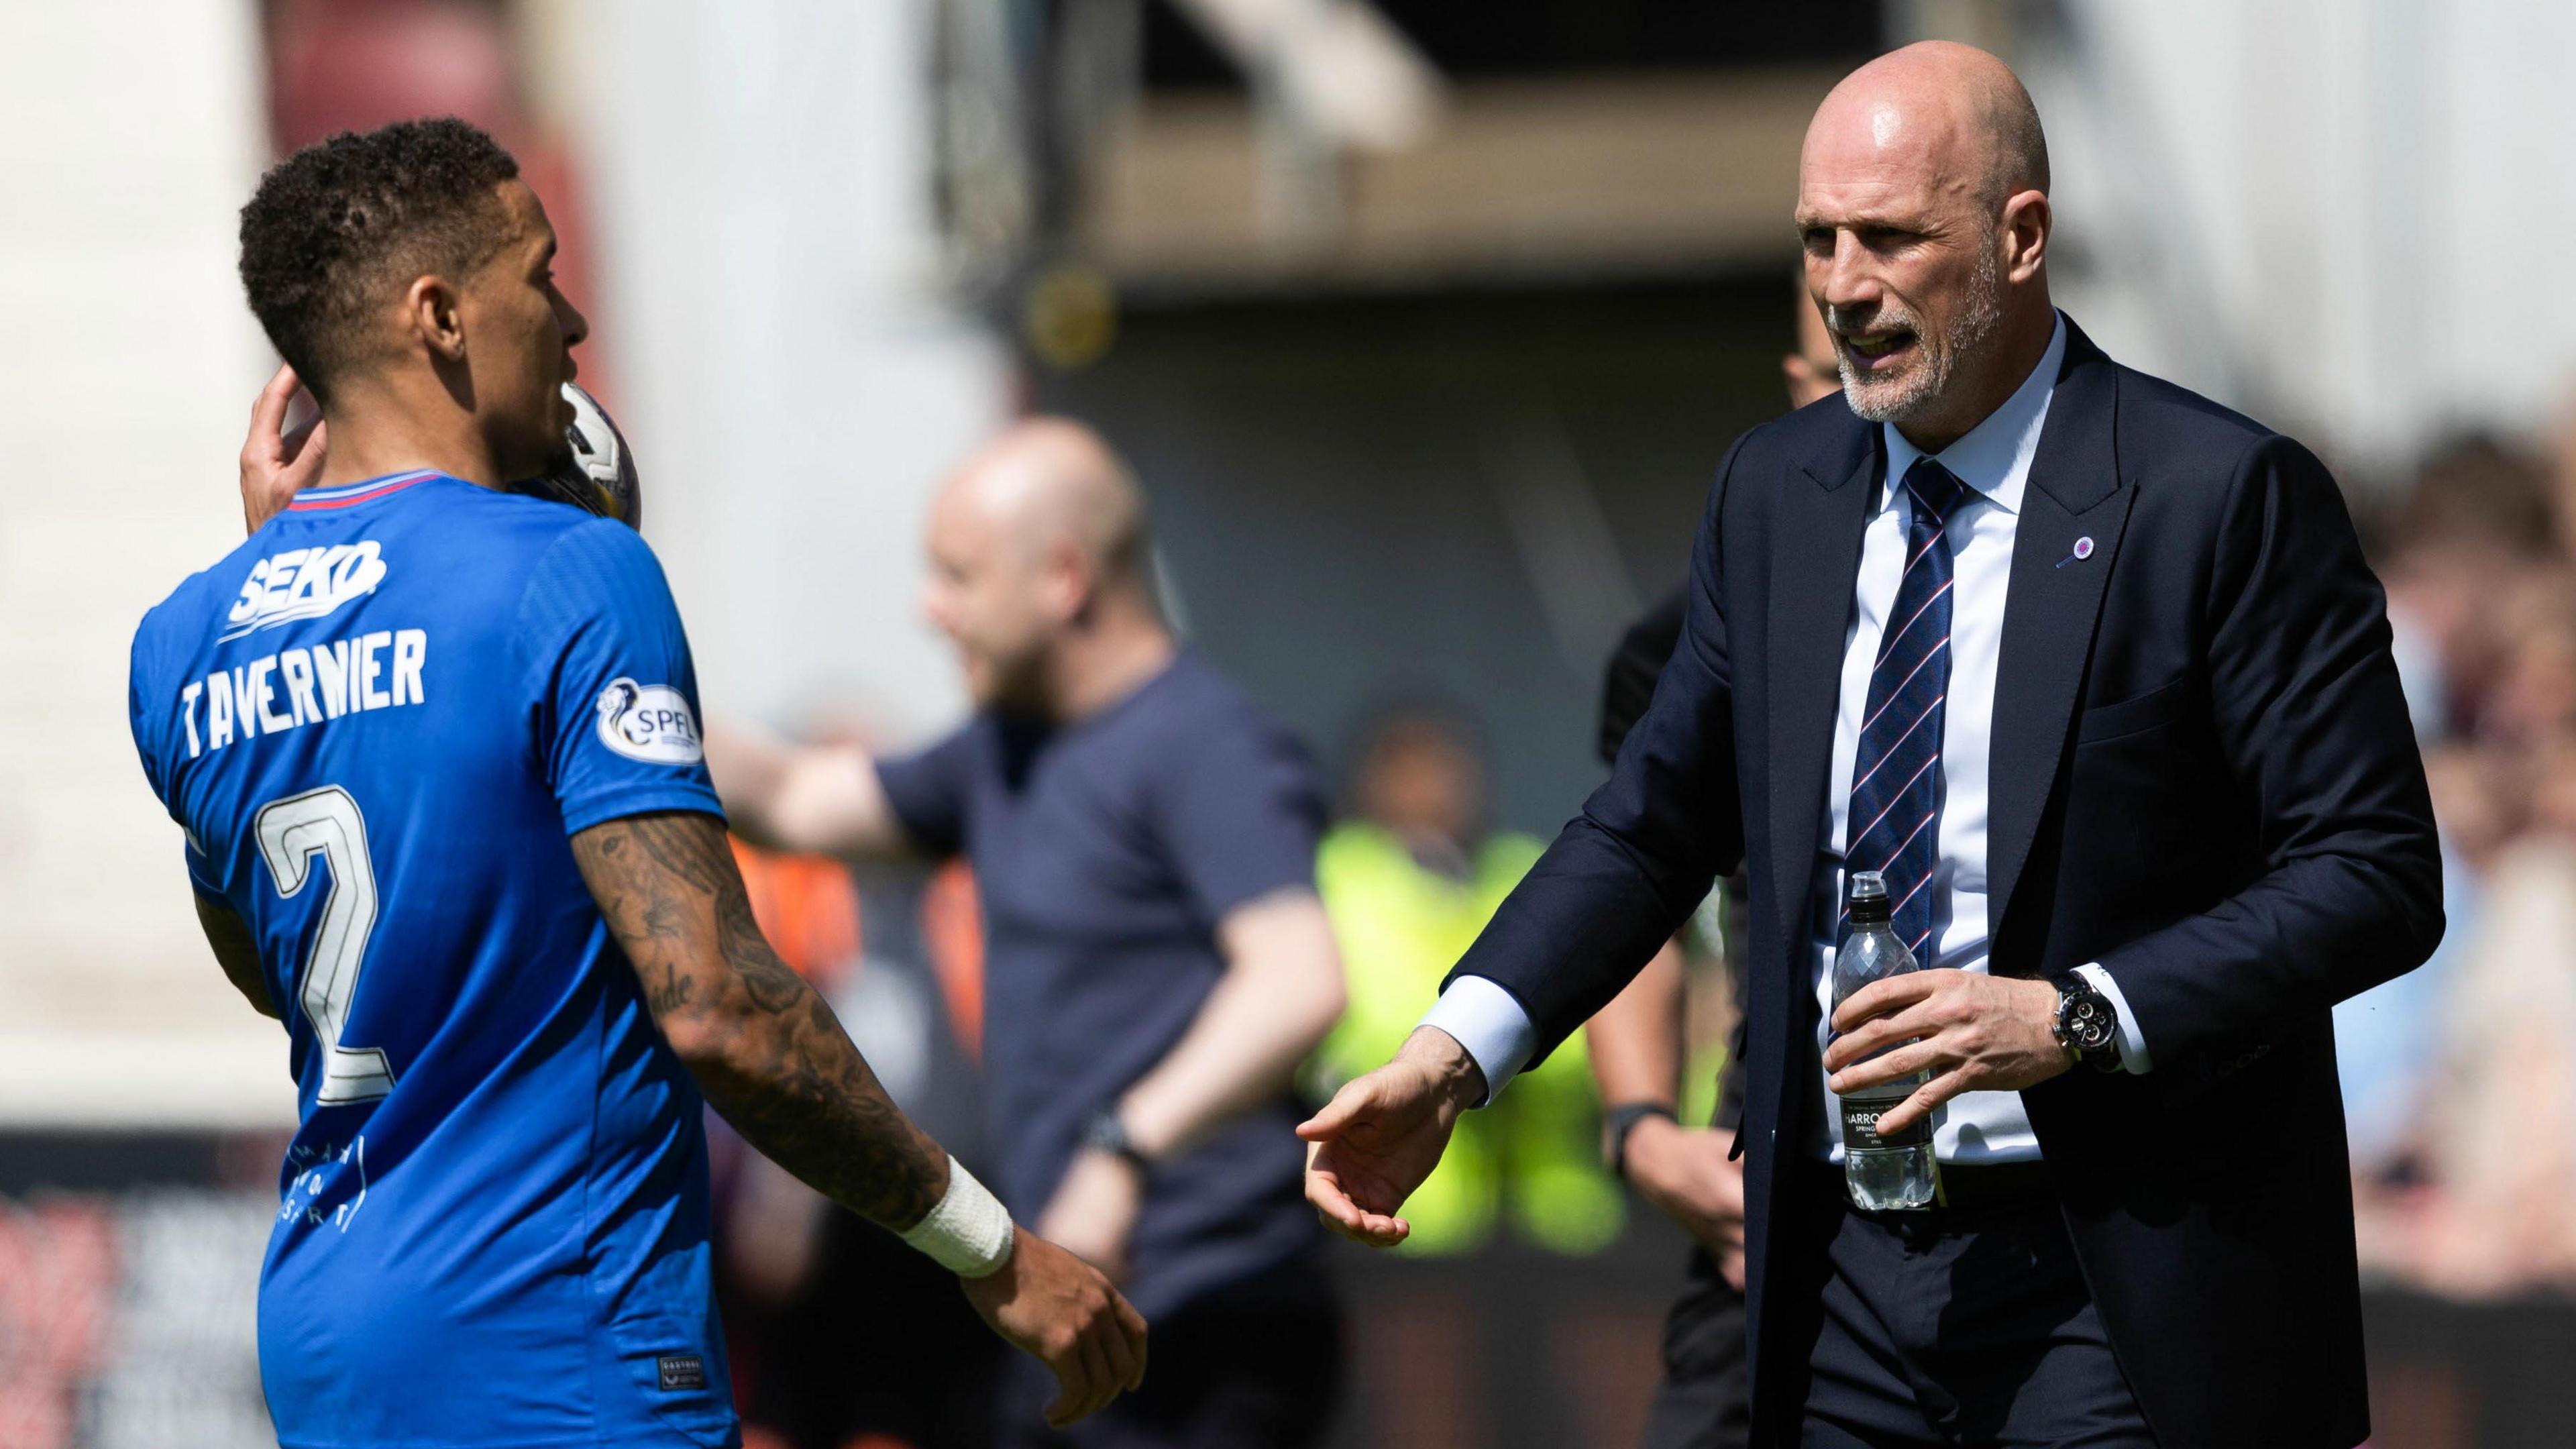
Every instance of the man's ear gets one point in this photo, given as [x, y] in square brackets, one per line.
[2028, 219]
[432, 312]
[1069, 582]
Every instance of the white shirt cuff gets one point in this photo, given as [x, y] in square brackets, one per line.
[1483, 1018]
[2133, 1045]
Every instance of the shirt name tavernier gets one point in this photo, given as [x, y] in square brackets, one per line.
[311, 684]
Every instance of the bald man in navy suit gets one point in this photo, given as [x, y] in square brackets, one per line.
[2092, 671]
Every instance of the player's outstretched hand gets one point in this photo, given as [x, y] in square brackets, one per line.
[1382, 1133]
[274, 462]
[1052, 1305]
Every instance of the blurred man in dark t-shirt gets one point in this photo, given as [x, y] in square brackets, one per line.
[1157, 961]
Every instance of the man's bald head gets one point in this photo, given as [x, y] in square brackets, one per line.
[1037, 538]
[1942, 103]
[1923, 208]
[1051, 483]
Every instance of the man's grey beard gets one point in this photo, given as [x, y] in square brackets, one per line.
[1899, 399]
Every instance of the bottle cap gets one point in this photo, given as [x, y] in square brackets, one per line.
[1868, 903]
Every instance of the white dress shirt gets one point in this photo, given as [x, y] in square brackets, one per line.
[1993, 459]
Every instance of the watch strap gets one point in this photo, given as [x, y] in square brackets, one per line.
[1104, 1132]
[1617, 1122]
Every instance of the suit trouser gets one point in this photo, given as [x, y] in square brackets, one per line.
[1955, 1326]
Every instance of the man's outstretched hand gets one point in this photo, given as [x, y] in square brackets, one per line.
[274, 462]
[1382, 1133]
[1060, 1310]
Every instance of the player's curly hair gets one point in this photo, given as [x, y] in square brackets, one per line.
[344, 217]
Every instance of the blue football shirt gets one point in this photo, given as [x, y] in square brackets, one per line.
[379, 721]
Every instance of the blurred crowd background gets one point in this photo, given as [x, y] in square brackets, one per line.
[1424, 322]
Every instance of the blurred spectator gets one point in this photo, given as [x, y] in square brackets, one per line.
[2385, 1038]
[1158, 960]
[1409, 880]
[2532, 698]
[2460, 1078]
[2477, 524]
[2500, 1123]
[1812, 373]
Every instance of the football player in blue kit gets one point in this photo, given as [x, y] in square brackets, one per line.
[434, 748]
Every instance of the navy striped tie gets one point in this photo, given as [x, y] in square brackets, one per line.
[1896, 776]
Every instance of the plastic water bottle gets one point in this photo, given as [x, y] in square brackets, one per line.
[1881, 1172]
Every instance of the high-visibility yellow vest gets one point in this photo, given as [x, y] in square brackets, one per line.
[1533, 1157]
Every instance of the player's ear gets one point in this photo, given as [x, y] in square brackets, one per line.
[433, 313]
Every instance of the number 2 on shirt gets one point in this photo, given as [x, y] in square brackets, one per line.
[326, 822]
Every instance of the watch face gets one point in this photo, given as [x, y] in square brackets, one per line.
[2092, 1025]
[2085, 1019]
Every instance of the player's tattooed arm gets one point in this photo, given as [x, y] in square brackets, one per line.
[763, 1045]
[236, 950]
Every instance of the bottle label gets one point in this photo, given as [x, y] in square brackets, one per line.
[1860, 1126]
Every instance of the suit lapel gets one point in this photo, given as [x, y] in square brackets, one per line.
[2052, 605]
[1815, 563]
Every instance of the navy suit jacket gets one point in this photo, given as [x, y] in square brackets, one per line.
[2203, 777]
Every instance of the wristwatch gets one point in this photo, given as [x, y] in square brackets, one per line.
[2088, 1026]
[1103, 1132]
[1617, 1123]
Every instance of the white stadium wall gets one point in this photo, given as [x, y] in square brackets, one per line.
[793, 382]
[129, 135]
[2339, 214]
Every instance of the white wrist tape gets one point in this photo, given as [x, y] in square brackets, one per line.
[969, 1233]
